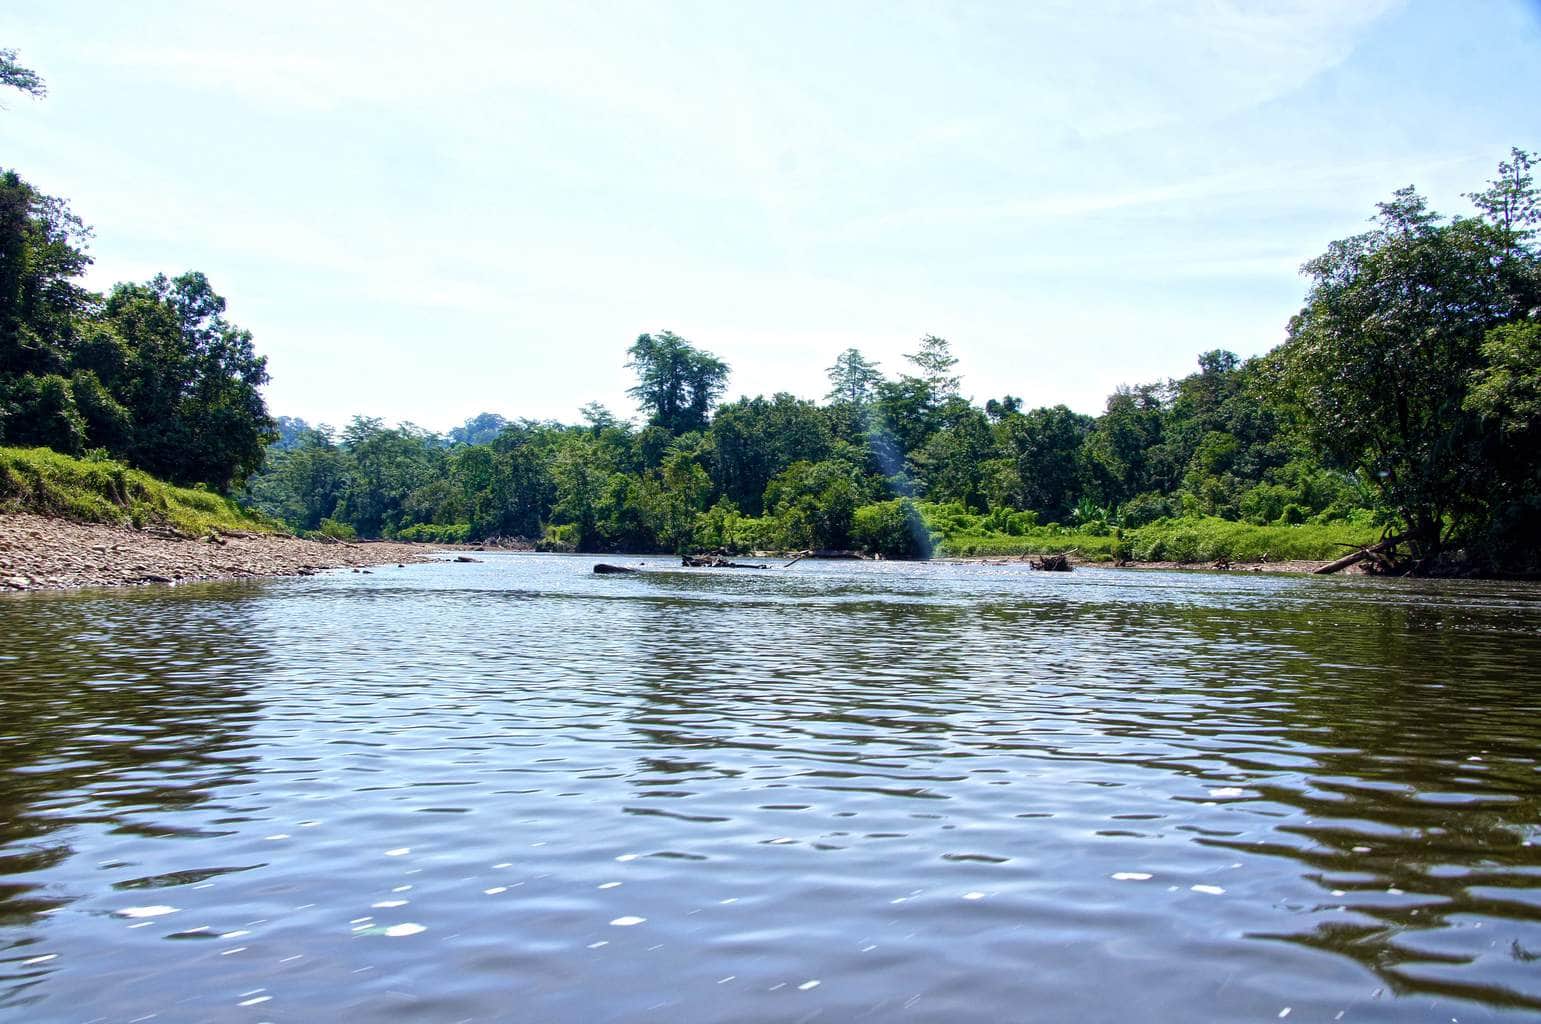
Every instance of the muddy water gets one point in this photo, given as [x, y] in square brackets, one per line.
[517, 791]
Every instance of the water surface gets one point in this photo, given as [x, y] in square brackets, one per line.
[517, 791]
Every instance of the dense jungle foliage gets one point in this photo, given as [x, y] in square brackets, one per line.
[1406, 401]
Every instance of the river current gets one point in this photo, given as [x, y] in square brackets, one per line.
[518, 791]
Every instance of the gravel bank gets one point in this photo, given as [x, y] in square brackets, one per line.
[38, 553]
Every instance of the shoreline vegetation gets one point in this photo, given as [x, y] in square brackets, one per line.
[67, 523]
[1399, 423]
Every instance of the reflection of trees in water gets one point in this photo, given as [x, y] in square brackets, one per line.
[1352, 711]
[838, 682]
[1415, 733]
[116, 710]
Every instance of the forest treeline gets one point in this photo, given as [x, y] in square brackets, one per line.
[1406, 398]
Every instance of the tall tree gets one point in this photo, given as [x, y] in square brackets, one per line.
[677, 383]
[853, 379]
[193, 382]
[42, 256]
[936, 362]
[1382, 356]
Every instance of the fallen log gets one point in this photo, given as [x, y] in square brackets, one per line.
[604, 568]
[1374, 551]
[715, 562]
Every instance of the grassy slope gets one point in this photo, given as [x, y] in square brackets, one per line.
[44, 482]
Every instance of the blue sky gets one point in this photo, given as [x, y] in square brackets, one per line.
[425, 211]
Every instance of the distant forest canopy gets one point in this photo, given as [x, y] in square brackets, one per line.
[1407, 397]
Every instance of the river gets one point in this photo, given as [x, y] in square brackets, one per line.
[517, 791]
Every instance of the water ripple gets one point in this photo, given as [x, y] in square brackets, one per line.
[848, 791]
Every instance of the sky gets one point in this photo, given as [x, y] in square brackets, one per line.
[427, 211]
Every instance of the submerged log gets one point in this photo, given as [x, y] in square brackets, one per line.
[604, 568]
[715, 562]
[1053, 563]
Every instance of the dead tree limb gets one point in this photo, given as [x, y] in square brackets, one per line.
[1375, 551]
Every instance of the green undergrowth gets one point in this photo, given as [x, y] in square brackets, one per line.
[1194, 539]
[91, 490]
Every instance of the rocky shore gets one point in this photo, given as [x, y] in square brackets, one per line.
[40, 553]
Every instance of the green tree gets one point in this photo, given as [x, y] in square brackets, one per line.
[1510, 202]
[193, 382]
[42, 255]
[936, 362]
[1382, 357]
[1117, 452]
[853, 379]
[753, 439]
[677, 383]
[1044, 447]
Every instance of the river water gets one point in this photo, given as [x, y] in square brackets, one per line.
[517, 791]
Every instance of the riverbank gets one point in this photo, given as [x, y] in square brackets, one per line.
[1296, 566]
[45, 553]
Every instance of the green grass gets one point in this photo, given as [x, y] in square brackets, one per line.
[1188, 540]
[44, 482]
[1207, 539]
[1038, 542]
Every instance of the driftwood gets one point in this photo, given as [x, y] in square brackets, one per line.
[828, 553]
[1374, 551]
[715, 562]
[604, 568]
[1053, 563]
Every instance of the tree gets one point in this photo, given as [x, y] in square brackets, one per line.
[598, 417]
[14, 76]
[853, 379]
[1381, 358]
[954, 461]
[753, 439]
[42, 255]
[936, 361]
[677, 383]
[192, 382]
[1044, 446]
[1510, 202]
[478, 429]
[1117, 452]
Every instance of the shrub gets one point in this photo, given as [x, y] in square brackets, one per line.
[335, 530]
[434, 533]
[892, 529]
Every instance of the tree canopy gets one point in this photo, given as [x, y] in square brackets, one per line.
[1400, 323]
[677, 383]
[152, 373]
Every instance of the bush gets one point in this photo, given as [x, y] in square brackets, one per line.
[434, 533]
[1146, 508]
[335, 530]
[559, 537]
[892, 529]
